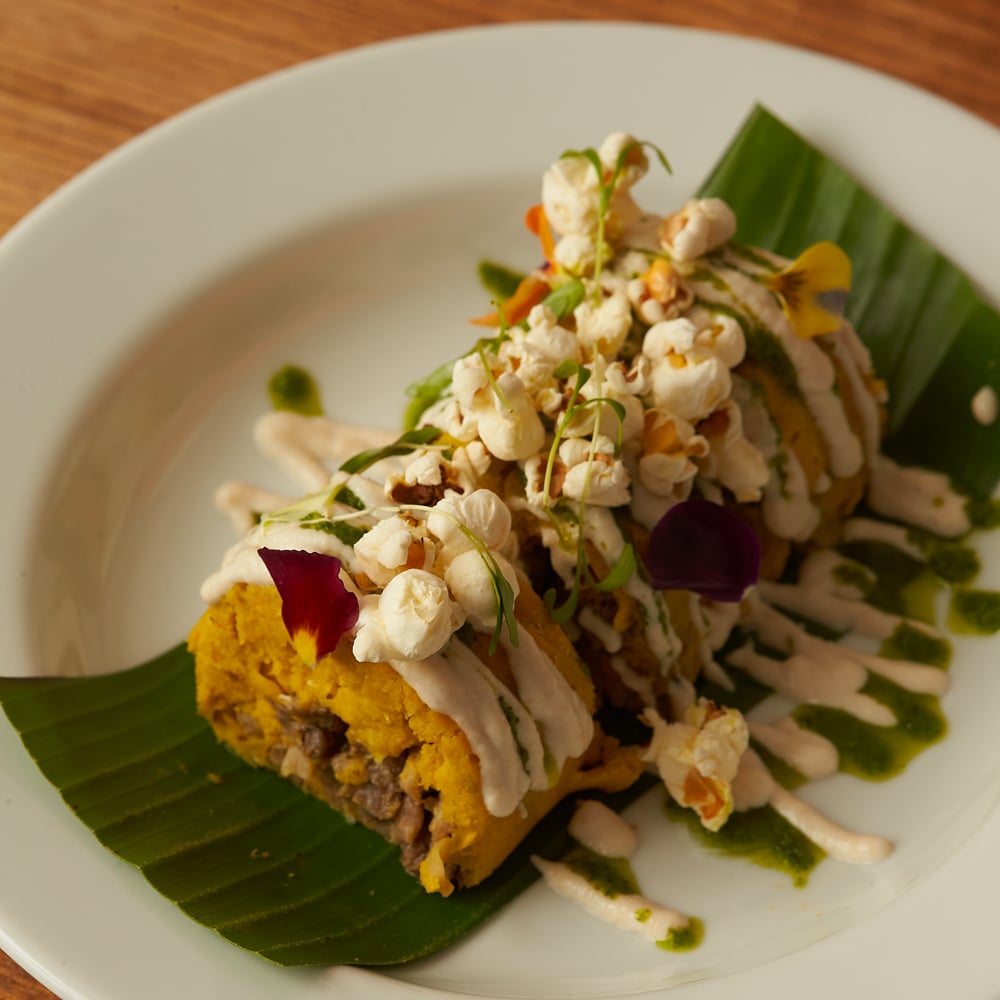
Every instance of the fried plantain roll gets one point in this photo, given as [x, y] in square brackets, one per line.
[453, 757]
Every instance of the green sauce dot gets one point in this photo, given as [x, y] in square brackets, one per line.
[975, 612]
[909, 643]
[684, 938]
[293, 389]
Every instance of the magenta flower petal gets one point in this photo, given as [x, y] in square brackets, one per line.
[316, 607]
[706, 548]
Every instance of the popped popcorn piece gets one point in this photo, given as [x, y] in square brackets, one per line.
[482, 513]
[593, 472]
[602, 326]
[514, 431]
[698, 758]
[550, 339]
[570, 193]
[411, 619]
[392, 545]
[571, 189]
[699, 227]
[534, 366]
[732, 460]
[454, 419]
[576, 253]
[469, 381]
[691, 386]
[724, 336]
[659, 293]
[470, 581]
[670, 449]
[471, 462]
[632, 379]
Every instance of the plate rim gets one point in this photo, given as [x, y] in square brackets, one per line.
[52, 206]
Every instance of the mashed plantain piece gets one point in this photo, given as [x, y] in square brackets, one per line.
[357, 736]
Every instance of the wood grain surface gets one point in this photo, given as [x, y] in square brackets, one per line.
[79, 77]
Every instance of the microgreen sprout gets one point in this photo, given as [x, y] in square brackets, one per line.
[502, 589]
[564, 371]
[606, 187]
[626, 564]
[482, 348]
[410, 441]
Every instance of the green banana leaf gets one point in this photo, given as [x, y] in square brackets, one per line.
[239, 849]
[276, 872]
[931, 336]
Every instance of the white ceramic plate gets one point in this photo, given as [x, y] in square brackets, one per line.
[332, 215]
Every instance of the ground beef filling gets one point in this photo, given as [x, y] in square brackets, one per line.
[317, 753]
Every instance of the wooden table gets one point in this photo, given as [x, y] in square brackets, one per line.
[79, 77]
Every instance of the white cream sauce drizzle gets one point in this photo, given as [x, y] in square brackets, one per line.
[837, 685]
[812, 755]
[779, 632]
[601, 630]
[641, 684]
[839, 613]
[917, 497]
[565, 723]
[855, 365]
[789, 511]
[984, 406]
[457, 684]
[302, 446]
[242, 563]
[604, 832]
[240, 502]
[867, 529]
[814, 370]
[755, 787]
[628, 912]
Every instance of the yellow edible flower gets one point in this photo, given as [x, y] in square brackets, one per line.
[813, 288]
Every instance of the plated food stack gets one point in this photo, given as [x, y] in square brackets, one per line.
[571, 523]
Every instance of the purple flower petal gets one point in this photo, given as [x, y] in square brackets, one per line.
[316, 607]
[706, 548]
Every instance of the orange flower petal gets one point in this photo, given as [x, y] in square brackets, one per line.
[529, 293]
[537, 222]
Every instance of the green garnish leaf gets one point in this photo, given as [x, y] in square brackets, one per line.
[505, 607]
[502, 589]
[405, 443]
[294, 389]
[620, 573]
[564, 298]
[425, 393]
[569, 368]
[348, 533]
[619, 412]
[562, 613]
[502, 282]
[343, 494]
